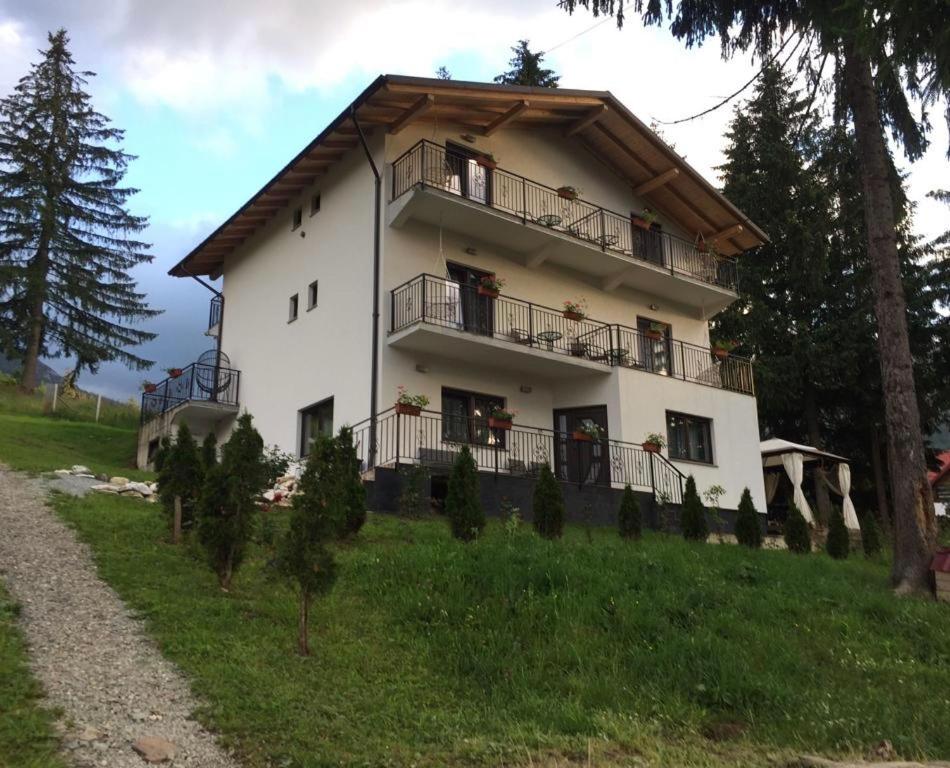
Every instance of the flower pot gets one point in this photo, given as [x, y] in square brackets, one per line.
[483, 291]
[651, 447]
[567, 193]
[582, 437]
[150, 389]
[499, 423]
[406, 409]
[654, 335]
[174, 373]
[486, 162]
[642, 223]
[575, 316]
[721, 354]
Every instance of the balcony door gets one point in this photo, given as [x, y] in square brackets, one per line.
[576, 461]
[478, 312]
[469, 179]
[648, 243]
[656, 355]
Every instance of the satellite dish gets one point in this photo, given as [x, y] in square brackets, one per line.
[213, 372]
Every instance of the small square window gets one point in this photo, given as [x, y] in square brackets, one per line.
[298, 219]
[315, 204]
[292, 314]
[312, 295]
[689, 437]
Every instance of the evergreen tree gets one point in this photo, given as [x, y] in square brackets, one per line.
[443, 73]
[629, 520]
[462, 504]
[209, 452]
[164, 447]
[870, 536]
[797, 534]
[67, 241]
[349, 490]
[548, 505]
[180, 480]
[837, 544]
[228, 501]
[693, 514]
[318, 514]
[526, 69]
[748, 530]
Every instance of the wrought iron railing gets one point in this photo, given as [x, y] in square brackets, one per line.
[434, 440]
[429, 164]
[448, 304]
[197, 382]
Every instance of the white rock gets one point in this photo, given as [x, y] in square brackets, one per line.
[62, 472]
[118, 481]
[142, 488]
[106, 488]
[79, 469]
[270, 495]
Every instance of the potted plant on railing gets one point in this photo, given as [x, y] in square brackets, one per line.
[587, 432]
[487, 161]
[655, 331]
[653, 443]
[149, 387]
[408, 404]
[173, 373]
[575, 309]
[645, 220]
[501, 418]
[491, 285]
[568, 192]
[721, 349]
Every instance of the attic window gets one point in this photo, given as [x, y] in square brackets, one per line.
[297, 220]
[315, 204]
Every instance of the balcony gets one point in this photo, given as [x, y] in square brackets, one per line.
[438, 316]
[494, 205]
[203, 390]
[433, 439]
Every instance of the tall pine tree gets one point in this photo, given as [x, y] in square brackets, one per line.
[67, 241]
[526, 69]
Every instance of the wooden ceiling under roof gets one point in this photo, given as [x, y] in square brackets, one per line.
[602, 124]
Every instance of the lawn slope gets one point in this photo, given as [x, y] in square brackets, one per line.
[515, 650]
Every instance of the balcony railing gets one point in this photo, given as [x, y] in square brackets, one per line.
[434, 439]
[215, 310]
[197, 382]
[447, 304]
[429, 164]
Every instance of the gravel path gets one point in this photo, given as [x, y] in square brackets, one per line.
[92, 657]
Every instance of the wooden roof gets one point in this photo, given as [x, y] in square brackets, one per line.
[595, 118]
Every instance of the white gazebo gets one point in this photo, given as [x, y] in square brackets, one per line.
[793, 457]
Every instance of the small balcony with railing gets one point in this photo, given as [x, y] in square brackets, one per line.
[472, 196]
[438, 316]
[206, 388]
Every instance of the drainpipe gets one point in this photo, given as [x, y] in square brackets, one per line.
[374, 368]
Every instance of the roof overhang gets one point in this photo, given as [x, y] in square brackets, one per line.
[599, 121]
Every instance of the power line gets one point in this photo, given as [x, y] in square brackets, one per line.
[579, 34]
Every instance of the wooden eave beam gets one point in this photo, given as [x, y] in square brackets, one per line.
[587, 120]
[727, 233]
[656, 182]
[506, 117]
[422, 105]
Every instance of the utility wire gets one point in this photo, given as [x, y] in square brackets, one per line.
[579, 34]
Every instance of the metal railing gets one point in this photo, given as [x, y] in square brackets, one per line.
[448, 304]
[197, 382]
[429, 164]
[434, 440]
[215, 310]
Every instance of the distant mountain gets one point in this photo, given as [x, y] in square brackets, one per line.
[46, 374]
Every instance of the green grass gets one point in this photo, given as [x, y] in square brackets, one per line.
[79, 408]
[27, 739]
[515, 650]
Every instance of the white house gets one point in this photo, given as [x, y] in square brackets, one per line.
[359, 268]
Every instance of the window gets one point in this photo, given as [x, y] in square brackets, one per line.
[314, 421]
[689, 437]
[312, 295]
[315, 204]
[297, 219]
[292, 310]
[465, 418]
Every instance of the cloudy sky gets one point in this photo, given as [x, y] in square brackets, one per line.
[216, 96]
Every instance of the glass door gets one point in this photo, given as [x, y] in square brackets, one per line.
[655, 353]
[478, 312]
[579, 461]
[470, 179]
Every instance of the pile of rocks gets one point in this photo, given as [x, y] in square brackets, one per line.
[118, 485]
[284, 489]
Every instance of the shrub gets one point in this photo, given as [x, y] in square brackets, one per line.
[348, 485]
[797, 535]
[209, 451]
[693, 515]
[462, 504]
[228, 500]
[748, 530]
[870, 535]
[277, 462]
[164, 446]
[629, 520]
[179, 481]
[837, 543]
[412, 499]
[548, 505]
[317, 517]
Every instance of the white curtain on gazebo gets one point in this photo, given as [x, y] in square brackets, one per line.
[794, 468]
[844, 481]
